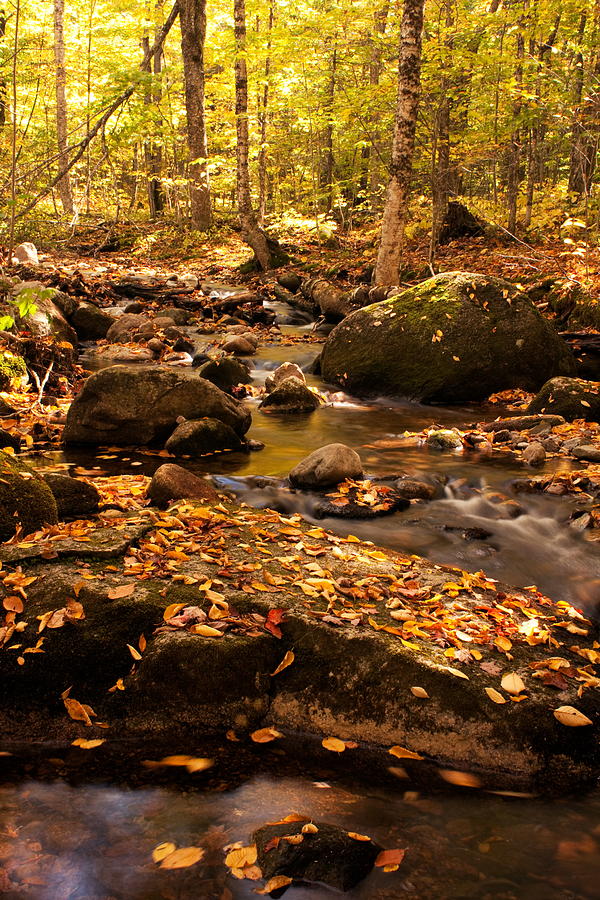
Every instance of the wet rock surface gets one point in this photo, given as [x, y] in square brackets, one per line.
[172, 482]
[198, 437]
[326, 467]
[571, 398]
[74, 498]
[291, 396]
[328, 855]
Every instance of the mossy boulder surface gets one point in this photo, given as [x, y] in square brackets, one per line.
[12, 368]
[25, 499]
[455, 337]
[571, 398]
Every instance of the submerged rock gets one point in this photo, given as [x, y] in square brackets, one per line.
[325, 854]
[171, 482]
[139, 404]
[571, 398]
[457, 336]
[25, 499]
[291, 396]
[327, 467]
[198, 437]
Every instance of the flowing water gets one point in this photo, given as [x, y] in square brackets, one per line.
[90, 839]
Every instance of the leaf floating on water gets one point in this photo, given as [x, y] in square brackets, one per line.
[390, 858]
[182, 858]
[87, 745]
[568, 715]
[513, 683]
[403, 753]
[264, 735]
[420, 692]
[495, 695]
[241, 856]
[460, 779]
[275, 884]
[333, 744]
[287, 660]
[163, 850]
[191, 763]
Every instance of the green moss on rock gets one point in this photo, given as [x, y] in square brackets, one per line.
[12, 368]
[25, 499]
[455, 337]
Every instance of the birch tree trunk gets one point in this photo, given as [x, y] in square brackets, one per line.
[192, 18]
[409, 89]
[64, 185]
[251, 231]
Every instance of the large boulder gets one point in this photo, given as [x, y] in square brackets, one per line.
[171, 482]
[47, 319]
[455, 337]
[90, 322]
[25, 499]
[571, 398]
[141, 404]
[326, 467]
[126, 327]
[291, 396]
[199, 437]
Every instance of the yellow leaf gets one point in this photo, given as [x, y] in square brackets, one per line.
[461, 779]
[568, 715]
[358, 837]
[287, 660]
[163, 850]
[135, 653]
[419, 692]
[495, 695]
[274, 884]
[122, 590]
[264, 735]
[333, 744]
[182, 858]
[172, 610]
[309, 828]
[512, 683]
[241, 856]
[503, 643]
[142, 643]
[87, 745]
[403, 753]
[206, 631]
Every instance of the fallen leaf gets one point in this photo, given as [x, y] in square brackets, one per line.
[309, 828]
[87, 745]
[390, 858]
[163, 850]
[568, 715]
[287, 660]
[135, 653]
[512, 683]
[264, 735]
[182, 858]
[123, 590]
[206, 631]
[495, 695]
[358, 837]
[403, 753]
[419, 692]
[333, 744]
[461, 779]
[274, 884]
[241, 856]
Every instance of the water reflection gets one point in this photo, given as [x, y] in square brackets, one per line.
[59, 842]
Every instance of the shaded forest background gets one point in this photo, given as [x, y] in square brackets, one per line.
[508, 119]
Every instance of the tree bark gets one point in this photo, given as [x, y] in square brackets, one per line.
[251, 231]
[513, 173]
[192, 17]
[153, 149]
[409, 89]
[263, 121]
[64, 185]
[328, 156]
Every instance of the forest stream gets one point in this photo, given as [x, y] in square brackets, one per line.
[83, 833]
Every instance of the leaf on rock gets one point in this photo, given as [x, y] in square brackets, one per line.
[264, 735]
[568, 715]
[333, 744]
[358, 837]
[495, 695]
[122, 590]
[287, 660]
[87, 745]
[513, 683]
[419, 692]
[275, 884]
[403, 753]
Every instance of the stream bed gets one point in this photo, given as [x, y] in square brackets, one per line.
[92, 838]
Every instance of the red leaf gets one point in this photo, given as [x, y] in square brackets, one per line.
[274, 617]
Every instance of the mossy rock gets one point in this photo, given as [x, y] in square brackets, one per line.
[226, 373]
[455, 337]
[199, 437]
[25, 499]
[12, 368]
[571, 398]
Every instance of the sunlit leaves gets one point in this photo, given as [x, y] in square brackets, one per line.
[568, 715]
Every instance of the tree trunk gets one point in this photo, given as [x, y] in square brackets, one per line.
[64, 185]
[587, 120]
[263, 121]
[251, 231]
[3, 92]
[153, 149]
[409, 89]
[328, 159]
[192, 18]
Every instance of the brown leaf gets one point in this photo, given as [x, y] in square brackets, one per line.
[403, 753]
[287, 660]
[122, 590]
[390, 858]
[275, 884]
